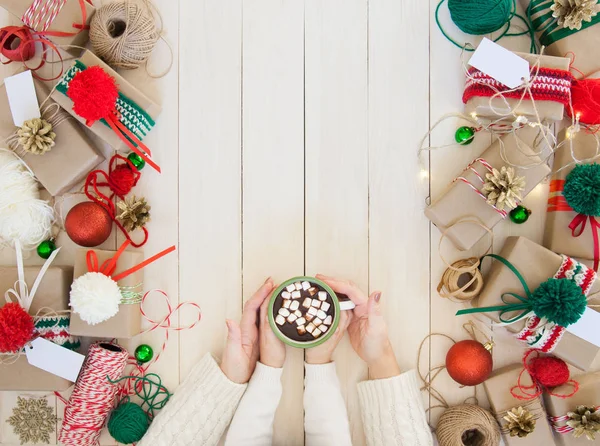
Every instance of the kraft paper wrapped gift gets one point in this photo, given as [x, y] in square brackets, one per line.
[560, 41]
[53, 293]
[461, 202]
[128, 321]
[137, 111]
[588, 395]
[68, 162]
[497, 387]
[35, 14]
[547, 110]
[537, 264]
[558, 237]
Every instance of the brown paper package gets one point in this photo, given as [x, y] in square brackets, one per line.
[128, 321]
[557, 235]
[461, 202]
[497, 387]
[587, 395]
[547, 110]
[53, 293]
[68, 162]
[69, 14]
[536, 264]
[104, 132]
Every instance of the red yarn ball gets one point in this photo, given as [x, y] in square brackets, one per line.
[469, 363]
[122, 179]
[16, 328]
[549, 371]
[94, 94]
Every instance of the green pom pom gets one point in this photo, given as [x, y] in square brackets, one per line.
[128, 423]
[582, 189]
[560, 301]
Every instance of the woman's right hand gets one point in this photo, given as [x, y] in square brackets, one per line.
[368, 330]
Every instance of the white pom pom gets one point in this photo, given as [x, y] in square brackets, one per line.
[95, 297]
[23, 215]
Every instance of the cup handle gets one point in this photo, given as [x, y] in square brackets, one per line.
[346, 305]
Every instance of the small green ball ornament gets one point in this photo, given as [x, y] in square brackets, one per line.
[560, 301]
[136, 160]
[519, 215]
[143, 353]
[582, 189]
[46, 248]
[465, 135]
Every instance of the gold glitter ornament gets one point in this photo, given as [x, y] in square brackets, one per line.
[33, 420]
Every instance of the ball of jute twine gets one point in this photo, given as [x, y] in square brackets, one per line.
[467, 425]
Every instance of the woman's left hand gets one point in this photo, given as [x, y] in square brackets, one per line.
[323, 353]
[272, 350]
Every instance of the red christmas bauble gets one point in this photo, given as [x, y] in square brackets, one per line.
[88, 224]
[16, 328]
[469, 363]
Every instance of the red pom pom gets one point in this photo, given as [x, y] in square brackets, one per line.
[94, 94]
[16, 328]
[585, 95]
[549, 371]
[122, 179]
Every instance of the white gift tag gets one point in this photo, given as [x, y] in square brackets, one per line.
[501, 64]
[587, 327]
[54, 359]
[22, 98]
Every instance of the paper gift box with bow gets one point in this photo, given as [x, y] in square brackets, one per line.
[542, 296]
[68, 161]
[565, 414]
[550, 85]
[51, 295]
[464, 200]
[498, 389]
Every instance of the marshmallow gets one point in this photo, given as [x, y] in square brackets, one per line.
[284, 312]
[280, 320]
[287, 303]
[305, 285]
[313, 290]
[316, 303]
[316, 333]
[321, 314]
[296, 294]
[328, 320]
[309, 317]
[317, 322]
[322, 295]
[294, 305]
[307, 302]
[301, 321]
[312, 311]
[298, 313]
[290, 288]
[286, 295]
[311, 327]
[323, 328]
[298, 285]
[325, 306]
[291, 318]
[301, 330]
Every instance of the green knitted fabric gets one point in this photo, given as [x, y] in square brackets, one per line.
[582, 189]
[548, 29]
[56, 329]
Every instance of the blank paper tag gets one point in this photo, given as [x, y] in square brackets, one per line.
[587, 327]
[54, 359]
[22, 98]
[501, 64]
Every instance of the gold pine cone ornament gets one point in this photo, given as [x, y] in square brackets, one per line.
[572, 13]
[503, 188]
[134, 213]
[36, 136]
[519, 422]
[585, 421]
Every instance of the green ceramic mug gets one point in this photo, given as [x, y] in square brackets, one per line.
[337, 306]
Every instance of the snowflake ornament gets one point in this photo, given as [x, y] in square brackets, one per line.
[33, 420]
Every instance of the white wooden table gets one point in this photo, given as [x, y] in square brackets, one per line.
[288, 143]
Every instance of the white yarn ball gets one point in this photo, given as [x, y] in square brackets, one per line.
[95, 297]
[23, 215]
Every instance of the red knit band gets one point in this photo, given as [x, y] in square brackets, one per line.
[546, 85]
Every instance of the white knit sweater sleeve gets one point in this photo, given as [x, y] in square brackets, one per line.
[199, 411]
[252, 424]
[393, 413]
[325, 416]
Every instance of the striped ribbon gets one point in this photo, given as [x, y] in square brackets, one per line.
[42, 13]
[545, 24]
[562, 429]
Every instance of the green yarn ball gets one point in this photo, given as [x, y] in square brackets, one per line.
[582, 189]
[478, 17]
[128, 423]
[560, 301]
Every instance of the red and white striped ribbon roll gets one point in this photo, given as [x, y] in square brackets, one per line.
[40, 15]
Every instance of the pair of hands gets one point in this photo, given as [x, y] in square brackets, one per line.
[253, 337]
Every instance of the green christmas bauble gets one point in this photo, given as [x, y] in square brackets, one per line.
[46, 248]
[136, 160]
[519, 215]
[465, 135]
[143, 353]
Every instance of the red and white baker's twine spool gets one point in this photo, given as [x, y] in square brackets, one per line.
[93, 396]
[489, 168]
[42, 12]
[554, 421]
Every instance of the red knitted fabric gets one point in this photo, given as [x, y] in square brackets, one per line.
[549, 371]
[94, 94]
[16, 328]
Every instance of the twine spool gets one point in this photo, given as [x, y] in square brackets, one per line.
[94, 395]
[462, 280]
[124, 34]
[468, 425]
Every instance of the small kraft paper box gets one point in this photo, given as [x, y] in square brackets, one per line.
[53, 293]
[71, 158]
[461, 202]
[558, 408]
[560, 41]
[550, 97]
[128, 320]
[136, 111]
[536, 264]
[69, 17]
[558, 236]
[497, 387]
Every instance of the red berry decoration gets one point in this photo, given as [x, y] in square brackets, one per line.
[549, 371]
[88, 224]
[94, 94]
[469, 362]
[16, 328]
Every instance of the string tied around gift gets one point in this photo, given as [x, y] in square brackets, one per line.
[556, 304]
[588, 418]
[520, 420]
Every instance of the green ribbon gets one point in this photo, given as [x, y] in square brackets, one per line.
[524, 305]
[540, 16]
[131, 295]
